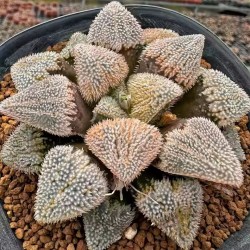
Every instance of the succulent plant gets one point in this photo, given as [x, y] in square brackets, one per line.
[198, 149]
[151, 94]
[25, 149]
[129, 78]
[125, 146]
[149, 35]
[105, 224]
[175, 58]
[233, 138]
[214, 96]
[33, 68]
[173, 206]
[121, 95]
[115, 28]
[53, 105]
[98, 69]
[69, 185]
[108, 107]
[75, 39]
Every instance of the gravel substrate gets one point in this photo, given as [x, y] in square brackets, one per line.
[233, 30]
[224, 208]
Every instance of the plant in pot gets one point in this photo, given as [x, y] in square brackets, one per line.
[125, 119]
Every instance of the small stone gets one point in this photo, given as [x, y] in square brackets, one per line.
[209, 219]
[49, 245]
[42, 231]
[150, 237]
[29, 188]
[19, 233]
[136, 247]
[156, 231]
[13, 225]
[79, 234]
[217, 241]
[35, 227]
[68, 231]
[149, 247]
[140, 238]
[206, 245]
[70, 247]
[130, 233]
[144, 225]
[16, 190]
[81, 245]
[28, 218]
[13, 184]
[123, 242]
[8, 200]
[164, 244]
[44, 239]
[32, 247]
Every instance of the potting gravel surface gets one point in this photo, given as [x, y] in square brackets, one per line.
[224, 210]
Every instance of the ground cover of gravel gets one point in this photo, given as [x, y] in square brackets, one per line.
[223, 213]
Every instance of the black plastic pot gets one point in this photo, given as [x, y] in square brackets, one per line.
[39, 37]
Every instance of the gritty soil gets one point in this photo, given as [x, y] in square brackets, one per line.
[224, 207]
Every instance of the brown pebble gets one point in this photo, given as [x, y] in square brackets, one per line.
[44, 239]
[70, 247]
[217, 241]
[16, 190]
[81, 245]
[32, 247]
[68, 231]
[19, 233]
[136, 247]
[206, 245]
[8, 200]
[35, 227]
[140, 238]
[144, 225]
[148, 246]
[29, 188]
[150, 237]
[123, 242]
[156, 231]
[13, 184]
[164, 244]
[42, 231]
